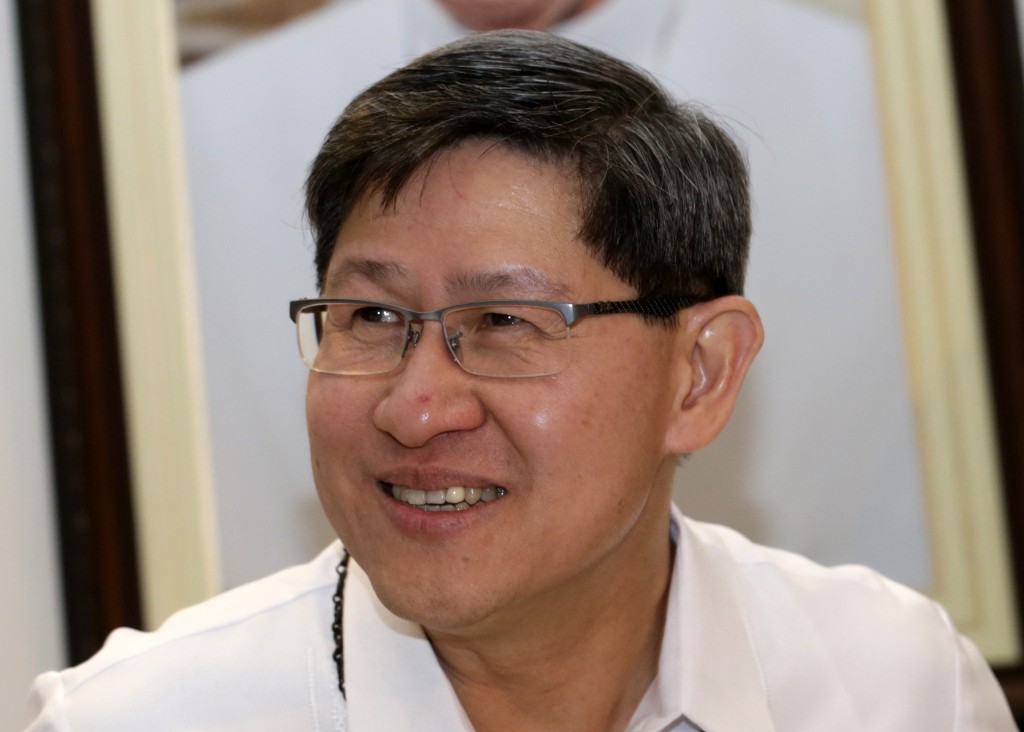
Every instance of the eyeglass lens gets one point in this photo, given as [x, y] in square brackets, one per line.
[489, 340]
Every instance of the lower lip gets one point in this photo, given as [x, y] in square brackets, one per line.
[419, 523]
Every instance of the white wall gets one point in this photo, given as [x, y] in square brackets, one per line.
[31, 637]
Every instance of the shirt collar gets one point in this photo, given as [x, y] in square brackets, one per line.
[708, 669]
[392, 678]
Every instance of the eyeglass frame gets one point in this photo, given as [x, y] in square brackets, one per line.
[658, 307]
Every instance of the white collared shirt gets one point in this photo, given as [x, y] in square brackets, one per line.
[756, 640]
[420, 696]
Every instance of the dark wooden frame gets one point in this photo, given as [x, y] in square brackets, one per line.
[86, 410]
[990, 92]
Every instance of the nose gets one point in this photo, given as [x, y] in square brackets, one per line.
[429, 394]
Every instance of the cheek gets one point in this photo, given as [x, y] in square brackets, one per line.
[565, 430]
[319, 410]
[541, 420]
[605, 423]
[334, 412]
[336, 419]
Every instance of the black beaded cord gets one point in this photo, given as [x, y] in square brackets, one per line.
[339, 644]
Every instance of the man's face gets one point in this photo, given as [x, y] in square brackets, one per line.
[580, 455]
[483, 15]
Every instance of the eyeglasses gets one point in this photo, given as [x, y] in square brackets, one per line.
[503, 338]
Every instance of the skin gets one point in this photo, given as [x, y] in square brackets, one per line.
[482, 15]
[516, 595]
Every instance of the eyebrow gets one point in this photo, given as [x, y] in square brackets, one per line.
[372, 270]
[515, 281]
[519, 280]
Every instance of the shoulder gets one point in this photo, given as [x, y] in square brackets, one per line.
[776, 586]
[851, 638]
[780, 587]
[727, 546]
[266, 643]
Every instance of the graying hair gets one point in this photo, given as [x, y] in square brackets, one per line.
[664, 191]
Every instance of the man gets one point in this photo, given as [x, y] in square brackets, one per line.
[530, 262]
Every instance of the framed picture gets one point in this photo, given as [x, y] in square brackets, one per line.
[950, 377]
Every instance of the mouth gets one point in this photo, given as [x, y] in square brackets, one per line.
[452, 498]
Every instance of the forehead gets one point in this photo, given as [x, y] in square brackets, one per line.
[474, 212]
[484, 173]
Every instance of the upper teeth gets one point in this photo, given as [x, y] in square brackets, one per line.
[456, 498]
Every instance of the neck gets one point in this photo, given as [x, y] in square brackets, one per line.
[581, 659]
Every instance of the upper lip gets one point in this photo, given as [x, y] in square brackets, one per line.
[432, 479]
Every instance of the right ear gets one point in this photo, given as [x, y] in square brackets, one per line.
[717, 342]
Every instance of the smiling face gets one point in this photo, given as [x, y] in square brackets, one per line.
[580, 456]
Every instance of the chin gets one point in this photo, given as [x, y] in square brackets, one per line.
[437, 607]
[435, 613]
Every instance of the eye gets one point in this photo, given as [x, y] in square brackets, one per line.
[515, 321]
[377, 314]
[501, 320]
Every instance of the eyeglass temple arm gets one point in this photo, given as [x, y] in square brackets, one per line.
[662, 307]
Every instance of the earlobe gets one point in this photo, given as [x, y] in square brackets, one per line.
[717, 344]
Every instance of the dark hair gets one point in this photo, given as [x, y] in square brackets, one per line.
[663, 188]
